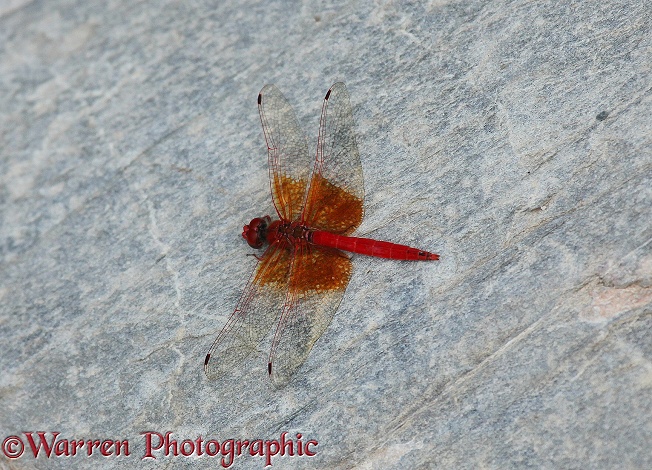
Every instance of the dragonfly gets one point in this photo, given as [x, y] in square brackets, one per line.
[300, 279]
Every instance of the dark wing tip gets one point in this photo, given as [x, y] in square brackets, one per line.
[208, 358]
[260, 98]
[328, 94]
[269, 368]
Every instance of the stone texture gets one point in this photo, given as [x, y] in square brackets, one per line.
[513, 137]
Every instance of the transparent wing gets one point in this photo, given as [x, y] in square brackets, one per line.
[256, 311]
[334, 201]
[289, 162]
[318, 280]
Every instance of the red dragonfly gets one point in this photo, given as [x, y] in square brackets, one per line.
[301, 277]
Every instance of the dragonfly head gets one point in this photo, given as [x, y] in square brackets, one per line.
[255, 233]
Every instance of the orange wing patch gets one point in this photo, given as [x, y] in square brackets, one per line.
[317, 284]
[289, 194]
[274, 270]
[320, 270]
[331, 208]
[315, 269]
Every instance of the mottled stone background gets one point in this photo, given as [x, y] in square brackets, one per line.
[512, 137]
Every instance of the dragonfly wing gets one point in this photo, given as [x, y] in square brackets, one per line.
[254, 315]
[334, 199]
[289, 163]
[318, 279]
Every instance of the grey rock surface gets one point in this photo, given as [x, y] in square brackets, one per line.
[513, 137]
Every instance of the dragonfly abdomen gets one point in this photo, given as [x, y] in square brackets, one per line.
[370, 247]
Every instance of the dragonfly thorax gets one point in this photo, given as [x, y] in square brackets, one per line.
[262, 230]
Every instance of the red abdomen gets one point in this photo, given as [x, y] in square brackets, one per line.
[370, 247]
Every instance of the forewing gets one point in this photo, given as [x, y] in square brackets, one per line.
[334, 201]
[259, 306]
[289, 162]
[318, 280]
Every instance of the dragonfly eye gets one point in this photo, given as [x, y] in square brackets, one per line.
[254, 233]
